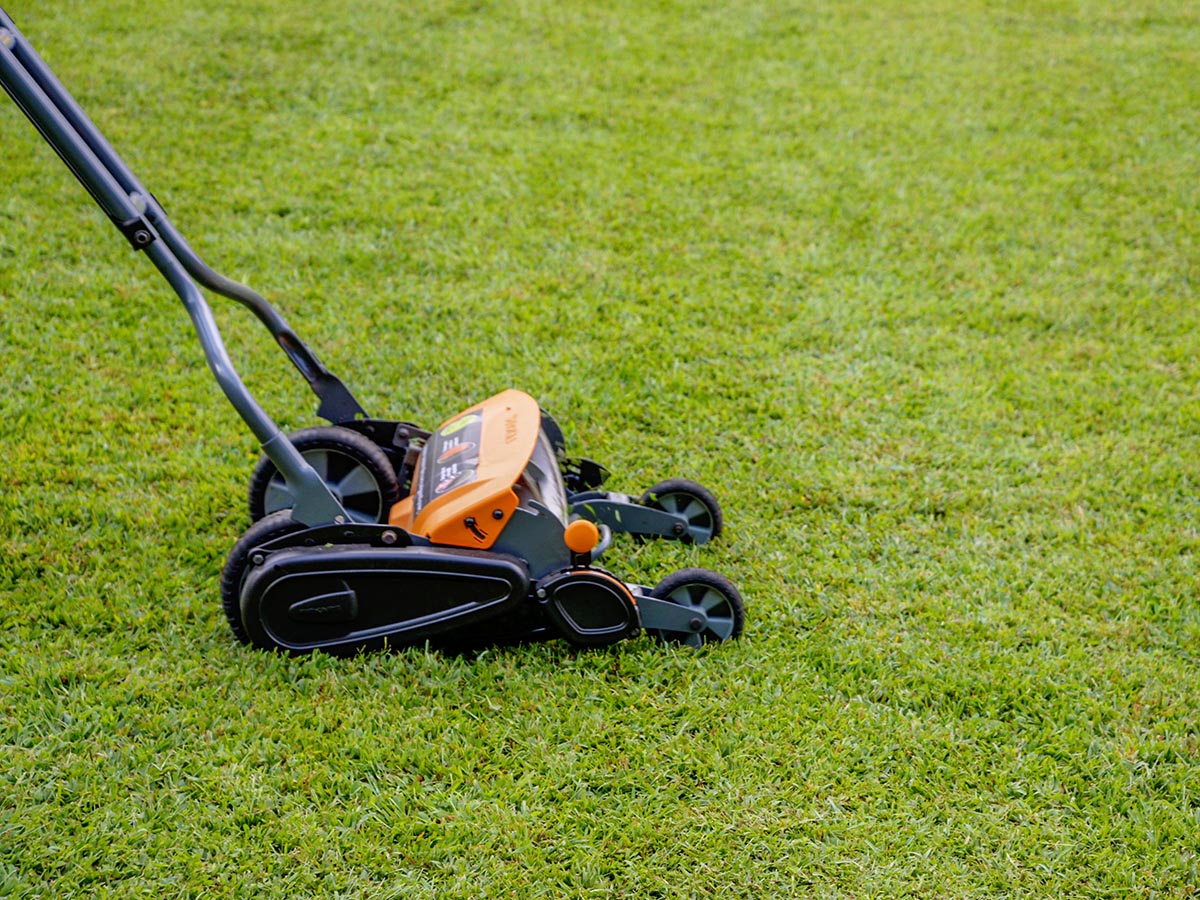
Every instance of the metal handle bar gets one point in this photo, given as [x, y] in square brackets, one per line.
[315, 503]
[337, 403]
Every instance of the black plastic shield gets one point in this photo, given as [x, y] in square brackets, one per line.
[345, 599]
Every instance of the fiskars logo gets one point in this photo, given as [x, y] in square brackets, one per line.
[510, 429]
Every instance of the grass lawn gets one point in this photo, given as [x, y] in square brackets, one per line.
[912, 287]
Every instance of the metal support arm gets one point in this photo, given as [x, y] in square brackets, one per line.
[621, 514]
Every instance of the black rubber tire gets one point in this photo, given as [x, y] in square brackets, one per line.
[349, 450]
[678, 495]
[270, 528]
[696, 587]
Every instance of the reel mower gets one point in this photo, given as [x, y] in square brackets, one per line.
[371, 532]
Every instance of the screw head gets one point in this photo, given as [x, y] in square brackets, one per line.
[497, 514]
[257, 559]
[389, 537]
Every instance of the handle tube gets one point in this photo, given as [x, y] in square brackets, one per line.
[315, 503]
[337, 403]
[62, 137]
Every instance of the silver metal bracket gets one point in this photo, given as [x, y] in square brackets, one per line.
[621, 514]
[663, 615]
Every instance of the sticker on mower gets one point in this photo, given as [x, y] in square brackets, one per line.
[460, 423]
[456, 450]
[451, 458]
[454, 478]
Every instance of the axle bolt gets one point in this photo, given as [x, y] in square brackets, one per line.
[388, 537]
[696, 625]
[257, 559]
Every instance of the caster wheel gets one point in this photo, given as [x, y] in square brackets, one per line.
[357, 472]
[274, 526]
[692, 501]
[703, 590]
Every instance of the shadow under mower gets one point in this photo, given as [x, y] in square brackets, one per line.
[371, 532]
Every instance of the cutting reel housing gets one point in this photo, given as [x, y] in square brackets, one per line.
[485, 547]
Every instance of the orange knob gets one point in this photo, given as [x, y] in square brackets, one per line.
[581, 536]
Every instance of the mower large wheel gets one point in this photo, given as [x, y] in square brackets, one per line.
[702, 589]
[356, 470]
[268, 529]
[692, 501]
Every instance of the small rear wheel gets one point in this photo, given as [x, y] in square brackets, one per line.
[692, 501]
[273, 527]
[706, 591]
[358, 474]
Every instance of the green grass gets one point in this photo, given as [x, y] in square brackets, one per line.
[911, 286]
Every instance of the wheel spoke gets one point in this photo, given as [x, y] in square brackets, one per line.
[694, 640]
[711, 600]
[697, 514]
[670, 503]
[357, 481]
[685, 595]
[339, 465]
[694, 510]
[279, 495]
[721, 627]
[319, 460]
[361, 516]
